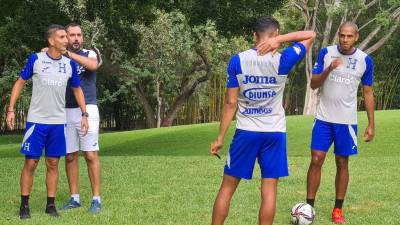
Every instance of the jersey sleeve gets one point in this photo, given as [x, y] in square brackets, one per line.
[27, 72]
[368, 76]
[233, 70]
[290, 56]
[319, 64]
[92, 54]
[74, 80]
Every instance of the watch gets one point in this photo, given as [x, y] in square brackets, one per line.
[85, 114]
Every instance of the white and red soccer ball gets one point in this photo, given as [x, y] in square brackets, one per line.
[303, 214]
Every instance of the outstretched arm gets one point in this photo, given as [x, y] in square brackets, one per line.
[16, 91]
[272, 44]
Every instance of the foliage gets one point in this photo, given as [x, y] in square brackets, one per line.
[136, 46]
[174, 59]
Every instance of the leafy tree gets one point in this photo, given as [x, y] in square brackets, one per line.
[173, 61]
[378, 20]
[22, 27]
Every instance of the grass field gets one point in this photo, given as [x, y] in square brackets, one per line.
[166, 176]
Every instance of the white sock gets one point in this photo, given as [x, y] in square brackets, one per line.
[97, 198]
[75, 197]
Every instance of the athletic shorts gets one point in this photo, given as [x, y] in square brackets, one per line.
[247, 146]
[75, 139]
[37, 137]
[344, 137]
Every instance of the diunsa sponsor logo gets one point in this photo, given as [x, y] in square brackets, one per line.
[259, 94]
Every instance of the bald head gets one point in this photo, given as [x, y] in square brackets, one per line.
[348, 36]
[350, 25]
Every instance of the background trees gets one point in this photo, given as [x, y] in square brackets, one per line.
[377, 20]
[164, 62]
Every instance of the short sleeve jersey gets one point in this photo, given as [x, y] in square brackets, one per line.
[49, 77]
[338, 94]
[261, 80]
[88, 83]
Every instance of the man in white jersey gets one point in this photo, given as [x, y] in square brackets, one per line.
[338, 72]
[255, 88]
[45, 128]
[89, 144]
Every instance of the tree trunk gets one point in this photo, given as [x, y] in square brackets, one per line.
[150, 116]
[310, 101]
[181, 99]
[159, 101]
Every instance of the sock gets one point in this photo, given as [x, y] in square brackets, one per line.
[50, 200]
[75, 197]
[24, 200]
[97, 198]
[339, 203]
[310, 201]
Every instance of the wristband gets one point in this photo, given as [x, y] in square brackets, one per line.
[85, 114]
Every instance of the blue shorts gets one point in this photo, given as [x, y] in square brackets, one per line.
[343, 136]
[37, 136]
[247, 146]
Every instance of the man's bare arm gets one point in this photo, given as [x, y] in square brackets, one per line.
[16, 91]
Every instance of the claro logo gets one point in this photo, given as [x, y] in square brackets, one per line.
[58, 83]
[259, 94]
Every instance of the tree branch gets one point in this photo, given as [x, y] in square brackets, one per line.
[328, 27]
[369, 5]
[366, 24]
[394, 15]
[188, 91]
[382, 41]
[92, 41]
[344, 17]
[370, 36]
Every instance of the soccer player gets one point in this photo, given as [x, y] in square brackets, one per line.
[338, 72]
[255, 89]
[89, 144]
[50, 72]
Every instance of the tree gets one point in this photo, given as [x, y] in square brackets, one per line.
[378, 21]
[20, 35]
[232, 18]
[173, 61]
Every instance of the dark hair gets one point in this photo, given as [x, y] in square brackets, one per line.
[266, 24]
[73, 24]
[53, 28]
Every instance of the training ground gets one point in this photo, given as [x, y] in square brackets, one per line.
[166, 176]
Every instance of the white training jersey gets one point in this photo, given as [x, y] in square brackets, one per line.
[261, 80]
[338, 94]
[49, 78]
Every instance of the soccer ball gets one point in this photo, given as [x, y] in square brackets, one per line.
[303, 214]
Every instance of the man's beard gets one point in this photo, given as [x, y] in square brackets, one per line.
[76, 46]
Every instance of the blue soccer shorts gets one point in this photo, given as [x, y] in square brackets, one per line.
[50, 137]
[247, 146]
[344, 137]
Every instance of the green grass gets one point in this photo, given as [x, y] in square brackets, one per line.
[166, 176]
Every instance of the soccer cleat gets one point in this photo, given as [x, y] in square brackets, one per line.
[95, 207]
[24, 212]
[71, 204]
[51, 210]
[337, 216]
